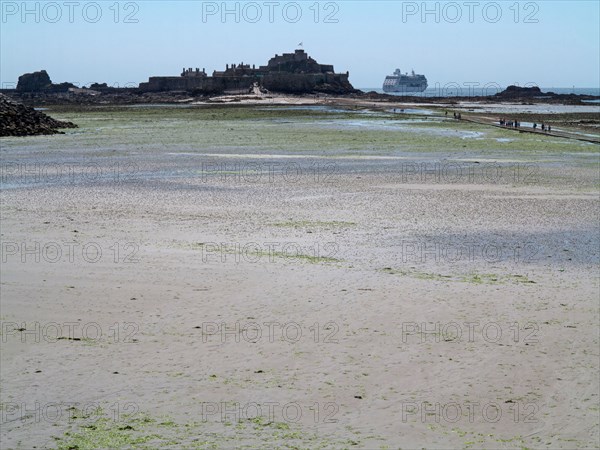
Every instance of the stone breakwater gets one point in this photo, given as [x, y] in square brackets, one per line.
[21, 120]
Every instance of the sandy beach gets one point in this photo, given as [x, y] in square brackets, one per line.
[242, 276]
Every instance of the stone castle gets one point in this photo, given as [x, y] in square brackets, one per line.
[293, 73]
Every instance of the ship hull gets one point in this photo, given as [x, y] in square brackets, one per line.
[401, 88]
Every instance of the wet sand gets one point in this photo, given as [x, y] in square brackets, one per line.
[225, 278]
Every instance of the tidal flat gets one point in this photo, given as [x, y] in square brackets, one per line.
[294, 129]
[211, 276]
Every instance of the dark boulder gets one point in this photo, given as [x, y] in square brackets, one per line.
[517, 91]
[34, 82]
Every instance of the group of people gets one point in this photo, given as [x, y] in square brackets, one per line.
[517, 124]
[547, 128]
[457, 116]
[510, 123]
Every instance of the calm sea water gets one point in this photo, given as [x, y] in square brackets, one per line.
[466, 91]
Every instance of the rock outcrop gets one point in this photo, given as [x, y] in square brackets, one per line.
[21, 120]
[34, 82]
[40, 82]
[534, 94]
[98, 86]
[520, 92]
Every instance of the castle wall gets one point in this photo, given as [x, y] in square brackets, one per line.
[210, 85]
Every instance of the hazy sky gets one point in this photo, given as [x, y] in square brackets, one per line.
[548, 43]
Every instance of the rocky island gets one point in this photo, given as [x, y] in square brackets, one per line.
[292, 73]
